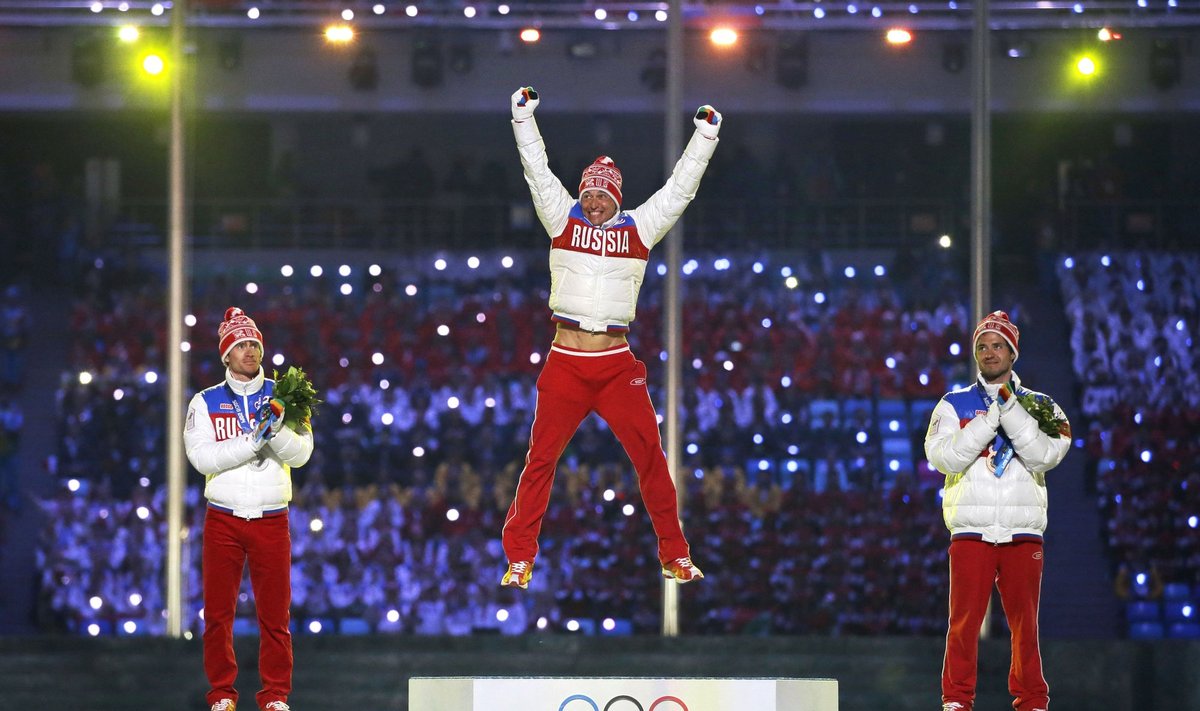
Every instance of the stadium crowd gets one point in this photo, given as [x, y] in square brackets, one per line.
[808, 381]
[1133, 319]
[808, 384]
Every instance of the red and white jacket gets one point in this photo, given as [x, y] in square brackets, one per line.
[596, 271]
[238, 478]
[962, 444]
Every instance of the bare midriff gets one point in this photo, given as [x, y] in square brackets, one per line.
[574, 337]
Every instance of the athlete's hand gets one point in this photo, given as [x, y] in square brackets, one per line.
[270, 420]
[524, 102]
[708, 121]
[1007, 396]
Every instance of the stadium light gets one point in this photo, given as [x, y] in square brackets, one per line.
[1086, 66]
[339, 34]
[723, 36]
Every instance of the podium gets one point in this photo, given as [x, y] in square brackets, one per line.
[619, 694]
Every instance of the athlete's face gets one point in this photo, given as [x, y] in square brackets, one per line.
[243, 359]
[995, 357]
[597, 206]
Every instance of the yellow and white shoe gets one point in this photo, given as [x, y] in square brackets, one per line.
[681, 570]
[518, 574]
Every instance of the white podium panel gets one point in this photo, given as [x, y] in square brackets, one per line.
[619, 694]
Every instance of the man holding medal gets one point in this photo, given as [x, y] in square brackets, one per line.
[236, 437]
[995, 441]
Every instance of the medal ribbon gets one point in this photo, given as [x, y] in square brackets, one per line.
[1004, 452]
[243, 420]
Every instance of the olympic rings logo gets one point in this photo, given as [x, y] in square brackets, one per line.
[614, 701]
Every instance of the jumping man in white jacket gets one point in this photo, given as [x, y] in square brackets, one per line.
[598, 255]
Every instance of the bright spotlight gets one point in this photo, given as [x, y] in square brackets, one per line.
[723, 36]
[529, 35]
[899, 36]
[153, 64]
[339, 34]
[1086, 65]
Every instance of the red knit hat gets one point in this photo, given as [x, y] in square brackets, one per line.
[237, 327]
[602, 175]
[997, 322]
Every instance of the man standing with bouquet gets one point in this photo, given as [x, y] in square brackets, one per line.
[995, 441]
[244, 435]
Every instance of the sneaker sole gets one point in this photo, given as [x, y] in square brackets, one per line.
[513, 584]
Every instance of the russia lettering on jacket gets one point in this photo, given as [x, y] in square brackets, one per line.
[225, 426]
[599, 240]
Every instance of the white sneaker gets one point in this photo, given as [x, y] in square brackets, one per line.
[953, 706]
[277, 706]
[224, 705]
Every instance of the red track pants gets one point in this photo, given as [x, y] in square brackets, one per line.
[229, 542]
[573, 384]
[1016, 569]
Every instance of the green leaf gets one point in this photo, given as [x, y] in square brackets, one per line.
[1042, 410]
[298, 395]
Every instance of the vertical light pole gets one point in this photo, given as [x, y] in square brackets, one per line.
[672, 305]
[981, 184]
[175, 312]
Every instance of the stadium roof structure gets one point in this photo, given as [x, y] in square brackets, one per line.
[771, 15]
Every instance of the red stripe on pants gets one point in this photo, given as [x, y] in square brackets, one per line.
[1016, 570]
[229, 542]
[569, 388]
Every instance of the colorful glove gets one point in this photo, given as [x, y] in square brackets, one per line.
[270, 420]
[708, 121]
[1007, 397]
[524, 101]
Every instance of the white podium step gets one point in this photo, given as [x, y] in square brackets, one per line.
[619, 694]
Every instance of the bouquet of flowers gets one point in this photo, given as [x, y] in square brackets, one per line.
[1042, 410]
[298, 395]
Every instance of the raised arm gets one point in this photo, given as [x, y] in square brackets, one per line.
[659, 214]
[550, 199]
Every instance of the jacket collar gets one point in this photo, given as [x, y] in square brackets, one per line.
[1013, 378]
[245, 387]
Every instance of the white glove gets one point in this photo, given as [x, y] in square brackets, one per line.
[524, 102]
[992, 418]
[256, 442]
[708, 121]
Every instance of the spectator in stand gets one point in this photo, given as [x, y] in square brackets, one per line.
[11, 423]
[14, 336]
[995, 457]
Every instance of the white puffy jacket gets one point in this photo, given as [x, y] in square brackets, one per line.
[240, 476]
[596, 271]
[961, 443]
